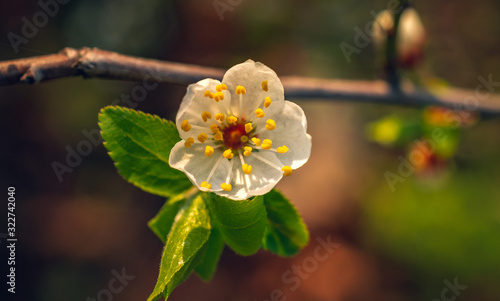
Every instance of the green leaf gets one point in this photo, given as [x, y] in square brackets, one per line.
[163, 221]
[208, 265]
[140, 145]
[286, 234]
[185, 271]
[242, 223]
[189, 233]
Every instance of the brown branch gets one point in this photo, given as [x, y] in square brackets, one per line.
[92, 62]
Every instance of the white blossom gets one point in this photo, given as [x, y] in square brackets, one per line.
[240, 137]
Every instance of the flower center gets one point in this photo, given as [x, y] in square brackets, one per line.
[235, 136]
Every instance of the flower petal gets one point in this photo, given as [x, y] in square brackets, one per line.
[251, 75]
[291, 131]
[197, 166]
[195, 103]
[260, 181]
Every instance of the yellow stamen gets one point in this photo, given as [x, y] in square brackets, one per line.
[267, 144]
[218, 96]
[270, 125]
[185, 126]
[189, 142]
[244, 139]
[282, 149]
[287, 170]
[248, 127]
[206, 185]
[267, 102]
[226, 187]
[220, 117]
[247, 169]
[202, 137]
[241, 90]
[209, 150]
[208, 94]
[220, 87]
[248, 151]
[228, 154]
[206, 115]
[256, 141]
[218, 136]
[231, 119]
[214, 128]
[264, 85]
[259, 113]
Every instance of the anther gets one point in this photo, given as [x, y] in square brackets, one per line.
[220, 117]
[256, 141]
[214, 128]
[231, 119]
[208, 94]
[220, 87]
[267, 144]
[241, 90]
[282, 149]
[247, 169]
[270, 125]
[206, 115]
[267, 102]
[287, 170]
[244, 139]
[189, 141]
[219, 136]
[264, 85]
[209, 150]
[202, 137]
[218, 96]
[259, 113]
[185, 126]
[206, 185]
[228, 154]
[248, 151]
[248, 127]
[226, 187]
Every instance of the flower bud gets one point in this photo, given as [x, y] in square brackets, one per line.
[411, 36]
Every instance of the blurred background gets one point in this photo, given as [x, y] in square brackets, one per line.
[435, 226]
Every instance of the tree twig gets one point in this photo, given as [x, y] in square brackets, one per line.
[391, 55]
[96, 63]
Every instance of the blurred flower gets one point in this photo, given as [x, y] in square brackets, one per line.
[240, 137]
[426, 158]
[394, 130]
[444, 117]
[385, 131]
[410, 38]
[384, 25]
